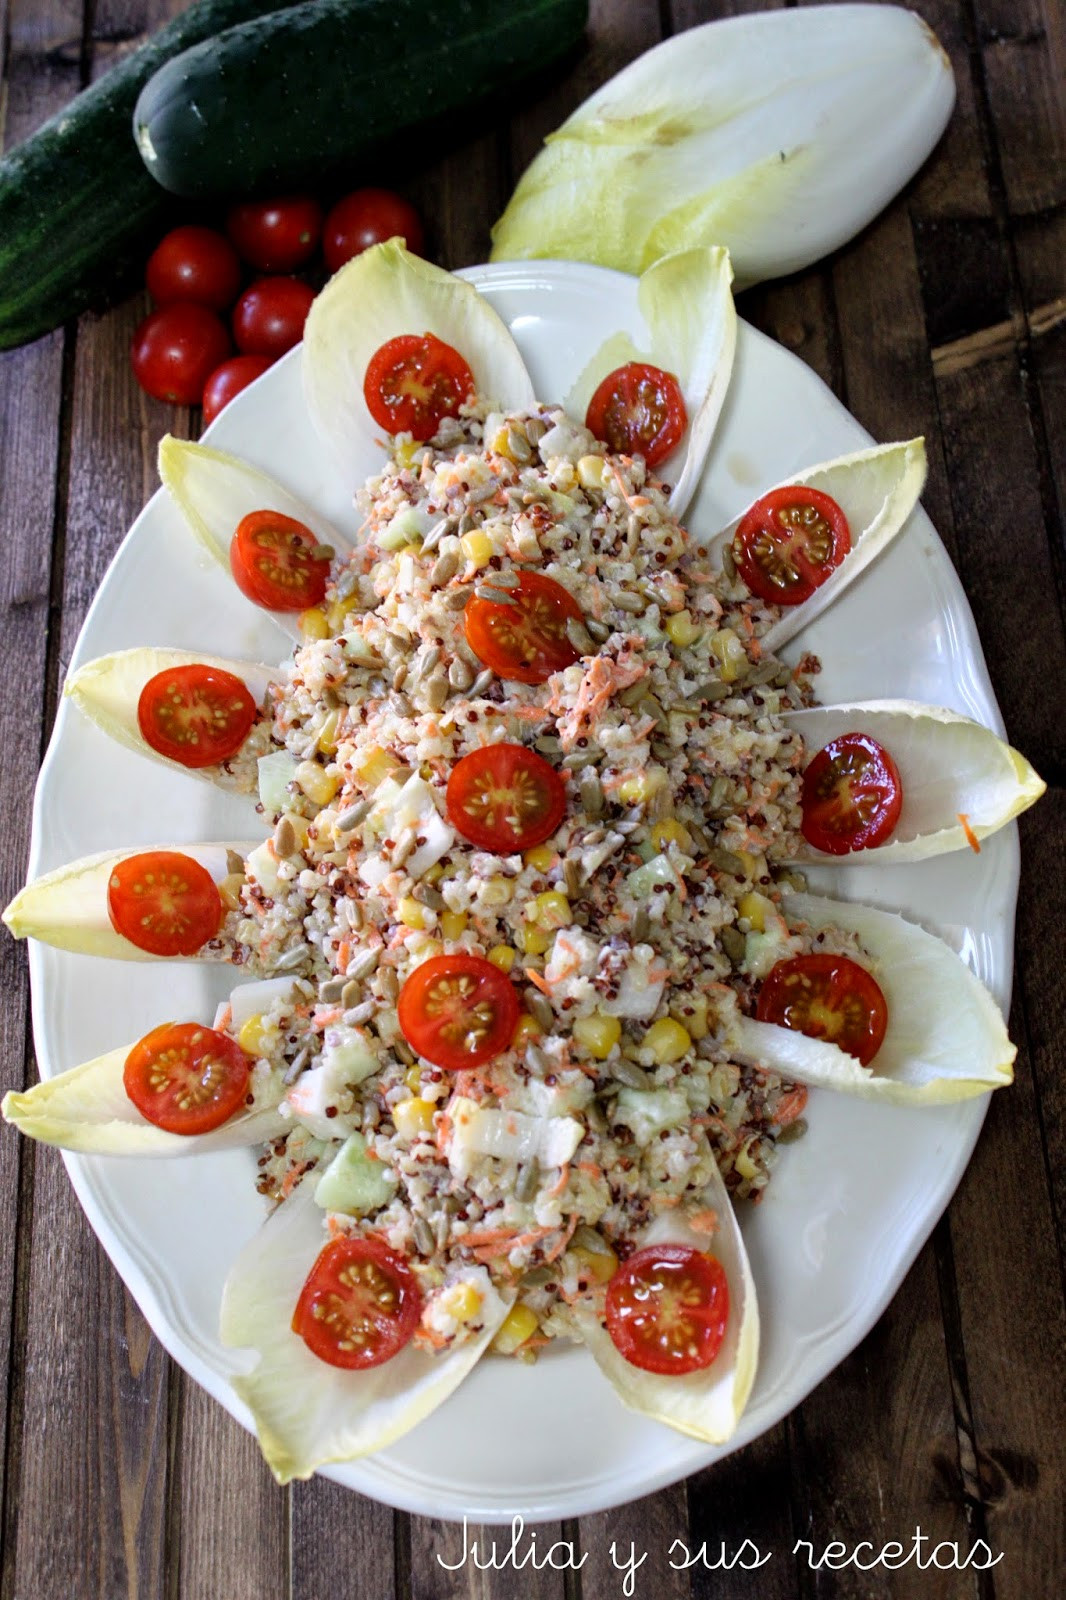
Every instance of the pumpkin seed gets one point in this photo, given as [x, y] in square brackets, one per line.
[714, 690]
[322, 552]
[234, 862]
[726, 861]
[633, 695]
[734, 944]
[537, 1277]
[580, 758]
[641, 924]
[591, 791]
[528, 1181]
[792, 1131]
[548, 744]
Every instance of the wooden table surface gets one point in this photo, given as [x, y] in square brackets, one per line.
[947, 317]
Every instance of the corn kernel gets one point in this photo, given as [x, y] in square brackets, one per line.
[411, 912]
[667, 1040]
[549, 910]
[462, 1301]
[682, 630]
[373, 765]
[317, 784]
[526, 1028]
[756, 907]
[531, 940]
[254, 1037]
[591, 471]
[313, 623]
[541, 858]
[743, 1163]
[518, 1325]
[327, 734]
[339, 610]
[478, 548]
[502, 956]
[591, 1256]
[597, 1035]
[407, 453]
[414, 1116]
[670, 831]
[500, 444]
[434, 873]
[641, 787]
[230, 890]
[496, 892]
[413, 1078]
[453, 924]
[691, 1012]
[424, 948]
[732, 656]
[300, 826]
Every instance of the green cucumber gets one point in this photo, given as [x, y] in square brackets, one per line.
[77, 209]
[298, 96]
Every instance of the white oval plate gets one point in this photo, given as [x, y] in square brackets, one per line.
[848, 1207]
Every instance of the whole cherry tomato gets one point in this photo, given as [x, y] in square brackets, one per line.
[269, 317]
[229, 379]
[366, 217]
[176, 349]
[197, 264]
[276, 235]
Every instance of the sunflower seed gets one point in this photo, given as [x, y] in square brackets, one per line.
[425, 661]
[371, 1115]
[699, 837]
[291, 959]
[388, 983]
[729, 564]
[782, 678]
[719, 792]
[633, 695]
[572, 877]
[403, 1050]
[528, 1181]
[352, 912]
[579, 636]
[762, 673]
[726, 861]
[540, 1009]
[662, 752]
[714, 690]
[362, 965]
[518, 446]
[323, 552]
[537, 1277]
[347, 584]
[402, 707]
[426, 895]
[506, 580]
[399, 677]
[360, 1013]
[299, 1062]
[482, 682]
[353, 816]
[456, 599]
[467, 523]
[234, 862]
[444, 569]
[591, 791]
[635, 603]
[498, 597]
[425, 1243]
[629, 1074]
[598, 630]
[436, 691]
[332, 989]
[734, 944]
[404, 846]
[459, 675]
[535, 1059]
[535, 428]
[435, 535]
[548, 745]
[580, 758]
[641, 924]
[351, 994]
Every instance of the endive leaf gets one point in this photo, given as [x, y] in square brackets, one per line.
[88, 1109]
[706, 1405]
[306, 1412]
[215, 491]
[381, 294]
[108, 690]
[778, 135]
[68, 907]
[945, 1039]
[950, 768]
[877, 489]
[691, 325]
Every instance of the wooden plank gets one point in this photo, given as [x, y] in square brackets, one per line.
[628, 1550]
[466, 1561]
[1023, 51]
[335, 1531]
[741, 1525]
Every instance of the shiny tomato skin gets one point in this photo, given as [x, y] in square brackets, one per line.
[187, 1078]
[644, 1320]
[458, 1011]
[175, 350]
[164, 902]
[366, 217]
[851, 795]
[787, 544]
[826, 997]
[269, 317]
[228, 380]
[196, 715]
[505, 798]
[197, 264]
[638, 410]
[525, 641]
[272, 561]
[276, 235]
[413, 382]
[360, 1304]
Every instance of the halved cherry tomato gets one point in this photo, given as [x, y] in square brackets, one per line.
[413, 382]
[826, 997]
[852, 795]
[366, 217]
[176, 349]
[505, 798]
[789, 542]
[164, 902]
[269, 317]
[273, 562]
[667, 1308]
[187, 1078]
[458, 1011]
[526, 639]
[229, 379]
[638, 409]
[193, 263]
[276, 235]
[196, 714]
[360, 1305]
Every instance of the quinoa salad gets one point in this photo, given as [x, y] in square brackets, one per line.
[630, 934]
